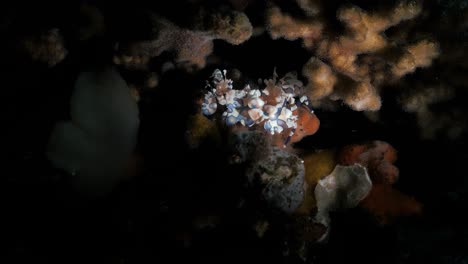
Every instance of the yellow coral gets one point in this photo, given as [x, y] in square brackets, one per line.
[317, 165]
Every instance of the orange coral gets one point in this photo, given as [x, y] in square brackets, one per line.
[377, 156]
[386, 204]
[350, 154]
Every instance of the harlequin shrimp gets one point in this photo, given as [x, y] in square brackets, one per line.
[278, 108]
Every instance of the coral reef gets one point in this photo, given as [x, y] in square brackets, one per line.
[281, 25]
[222, 163]
[189, 46]
[352, 66]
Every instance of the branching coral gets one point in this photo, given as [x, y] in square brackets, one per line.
[417, 55]
[189, 46]
[353, 65]
[281, 25]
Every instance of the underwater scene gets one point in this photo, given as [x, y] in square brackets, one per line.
[234, 131]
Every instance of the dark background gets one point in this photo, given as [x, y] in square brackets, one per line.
[148, 218]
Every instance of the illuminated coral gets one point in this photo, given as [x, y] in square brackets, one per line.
[281, 25]
[189, 46]
[417, 55]
[351, 66]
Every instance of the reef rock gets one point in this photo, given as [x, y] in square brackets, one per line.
[280, 177]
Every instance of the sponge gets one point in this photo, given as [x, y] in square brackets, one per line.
[97, 143]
